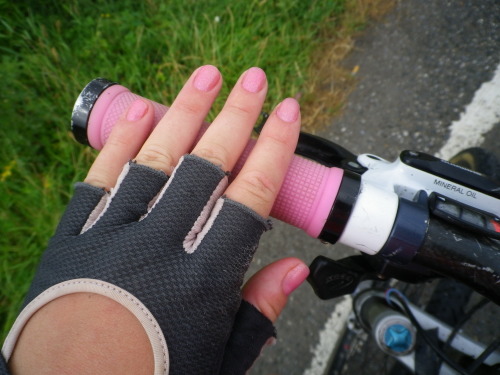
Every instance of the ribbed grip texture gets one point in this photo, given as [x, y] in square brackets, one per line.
[118, 106]
[298, 194]
[298, 202]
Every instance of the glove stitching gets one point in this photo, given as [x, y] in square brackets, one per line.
[96, 213]
[127, 296]
[204, 222]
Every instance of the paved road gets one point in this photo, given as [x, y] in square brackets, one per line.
[420, 69]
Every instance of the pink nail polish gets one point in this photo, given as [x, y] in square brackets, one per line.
[206, 78]
[288, 110]
[137, 110]
[294, 278]
[254, 80]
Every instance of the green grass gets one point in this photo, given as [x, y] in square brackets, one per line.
[50, 49]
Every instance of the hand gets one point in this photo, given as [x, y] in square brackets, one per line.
[182, 224]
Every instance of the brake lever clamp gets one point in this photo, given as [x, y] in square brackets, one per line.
[458, 195]
[414, 171]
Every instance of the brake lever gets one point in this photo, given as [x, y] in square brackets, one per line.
[334, 278]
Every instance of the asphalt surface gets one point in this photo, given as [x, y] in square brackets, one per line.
[419, 68]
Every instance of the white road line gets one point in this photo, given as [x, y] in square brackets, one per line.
[479, 118]
[329, 336]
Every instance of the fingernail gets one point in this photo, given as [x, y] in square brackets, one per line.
[254, 80]
[206, 78]
[137, 110]
[288, 110]
[294, 278]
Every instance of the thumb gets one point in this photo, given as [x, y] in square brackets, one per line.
[268, 289]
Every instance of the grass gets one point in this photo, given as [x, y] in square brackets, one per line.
[49, 50]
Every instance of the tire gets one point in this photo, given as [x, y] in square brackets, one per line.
[479, 160]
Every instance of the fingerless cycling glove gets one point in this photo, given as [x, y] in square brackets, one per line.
[174, 252]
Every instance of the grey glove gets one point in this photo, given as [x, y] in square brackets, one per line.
[171, 250]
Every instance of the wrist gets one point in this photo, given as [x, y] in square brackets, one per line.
[82, 333]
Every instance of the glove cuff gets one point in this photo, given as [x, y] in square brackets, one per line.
[251, 332]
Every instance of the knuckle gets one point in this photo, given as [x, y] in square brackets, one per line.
[120, 138]
[216, 154]
[157, 157]
[239, 109]
[277, 140]
[99, 178]
[259, 187]
[270, 307]
[98, 182]
[188, 107]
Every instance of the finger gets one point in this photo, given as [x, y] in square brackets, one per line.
[124, 142]
[227, 136]
[176, 132]
[260, 179]
[268, 289]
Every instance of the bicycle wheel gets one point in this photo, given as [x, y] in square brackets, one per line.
[479, 160]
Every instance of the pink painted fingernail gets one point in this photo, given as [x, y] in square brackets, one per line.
[137, 110]
[254, 80]
[294, 278]
[288, 110]
[206, 78]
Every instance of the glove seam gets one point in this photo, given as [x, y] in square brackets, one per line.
[96, 213]
[64, 288]
[207, 217]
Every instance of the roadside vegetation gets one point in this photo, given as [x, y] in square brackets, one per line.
[49, 50]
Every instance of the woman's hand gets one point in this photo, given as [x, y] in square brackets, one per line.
[89, 323]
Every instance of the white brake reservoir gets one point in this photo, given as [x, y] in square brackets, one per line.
[371, 220]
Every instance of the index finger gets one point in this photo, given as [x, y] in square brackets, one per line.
[258, 183]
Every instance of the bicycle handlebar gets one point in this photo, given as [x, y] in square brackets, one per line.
[462, 255]
[306, 204]
[374, 211]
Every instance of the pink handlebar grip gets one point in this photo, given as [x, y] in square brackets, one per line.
[306, 196]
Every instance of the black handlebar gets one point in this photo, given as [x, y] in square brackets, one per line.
[462, 255]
